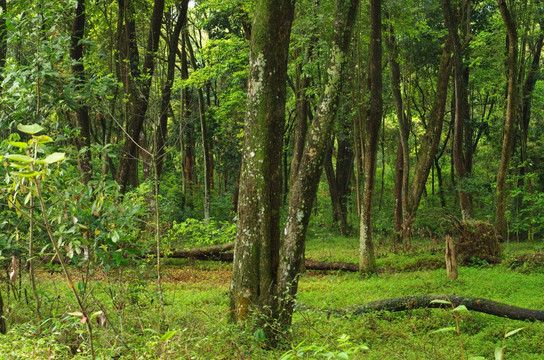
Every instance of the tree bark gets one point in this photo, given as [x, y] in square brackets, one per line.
[256, 254]
[83, 140]
[303, 191]
[510, 118]
[3, 40]
[138, 109]
[367, 261]
[425, 301]
[339, 215]
[162, 129]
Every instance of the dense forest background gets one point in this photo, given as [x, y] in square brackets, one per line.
[132, 127]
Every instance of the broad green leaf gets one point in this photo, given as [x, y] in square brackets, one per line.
[513, 332]
[446, 329]
[167, 336]
[55, 157]
[476, 358]
[77, 313]
[342, 355]
[438, 301]
[460, 308]
[30, 129]
[19, 157]
[19, 144]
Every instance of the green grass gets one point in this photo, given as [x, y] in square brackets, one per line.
[196, 296]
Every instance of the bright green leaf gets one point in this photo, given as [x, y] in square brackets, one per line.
[19, 144]
[19, 157]
[55, 157]
[167, 336]
[77, 313]
[43, 139]
[30, 129]
[499, 353]
[95, 314]
[27, 174]
[446, 329]
[513, 332]
[460, 308]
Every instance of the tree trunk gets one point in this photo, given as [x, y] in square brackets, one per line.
[339, 216]
[367, 260]
[510, 118]
[462, 115]
[451, 259]
[139, 107]
[83, 140]
[3, 40]
[303, 191]
[256, 254]
[162, 129]
[204, 134]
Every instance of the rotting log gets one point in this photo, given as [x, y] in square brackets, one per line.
[425, 301]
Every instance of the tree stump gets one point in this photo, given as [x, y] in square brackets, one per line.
[451, 258]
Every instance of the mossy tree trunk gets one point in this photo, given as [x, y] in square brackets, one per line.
[256, 254]
[303, 190]
[367, 261]
[510, 118]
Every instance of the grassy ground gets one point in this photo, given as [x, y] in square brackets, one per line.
[196, 304]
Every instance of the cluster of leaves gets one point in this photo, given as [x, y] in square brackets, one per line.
[193, 232]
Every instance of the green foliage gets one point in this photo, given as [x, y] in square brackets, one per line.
[344, 348]
[193, 232]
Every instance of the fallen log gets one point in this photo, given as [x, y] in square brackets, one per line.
[426, 301]
[222, 252]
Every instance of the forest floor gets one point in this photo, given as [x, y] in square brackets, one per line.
[196, 304]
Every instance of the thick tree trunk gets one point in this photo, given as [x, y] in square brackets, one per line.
[256, 254]
[162, 129]
[367, 261]
[510, 118]
[426, 301]
[303, 191]
[138, 109]
[83, 140]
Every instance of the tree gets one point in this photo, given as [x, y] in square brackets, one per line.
[83, 141]
[256, 254]
[510, 117]
[367, 261]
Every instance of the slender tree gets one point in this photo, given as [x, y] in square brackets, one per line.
[367, 261]
[510, 117]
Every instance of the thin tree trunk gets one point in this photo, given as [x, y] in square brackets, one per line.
[3, 40]
[367, 260]
[462, 115]
[83, 140]
[204, 134]
[339, 216]
[161, 132]
[510, 118]
[141, 102]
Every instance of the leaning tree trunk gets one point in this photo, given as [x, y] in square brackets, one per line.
[256, 254]
[510, 118]
[83, 140]
[3, 40]
[302, 194]
[367, 260]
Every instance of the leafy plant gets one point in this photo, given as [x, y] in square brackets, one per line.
[193, 232]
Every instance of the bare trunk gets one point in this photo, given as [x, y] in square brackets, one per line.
[367, 260]
[510, 118]
[162, 129]
[140, 104]
[83, 140]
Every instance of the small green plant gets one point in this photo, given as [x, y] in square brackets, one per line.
[344, 348]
